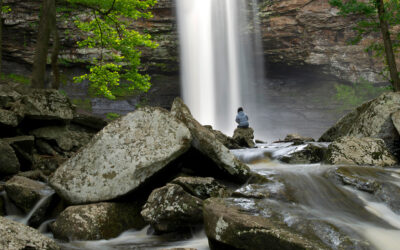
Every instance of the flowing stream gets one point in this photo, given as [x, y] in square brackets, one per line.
[307, 198]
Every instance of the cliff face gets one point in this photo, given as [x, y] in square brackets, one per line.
[310, 32]
[294, 33]
[21, 24]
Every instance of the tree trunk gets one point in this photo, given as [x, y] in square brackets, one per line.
[42, 46]
[1, 36]
[56, 48]
[390, 58]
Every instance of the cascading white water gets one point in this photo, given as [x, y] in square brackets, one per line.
[220, 63]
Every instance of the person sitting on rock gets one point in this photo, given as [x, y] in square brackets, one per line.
[242, 119]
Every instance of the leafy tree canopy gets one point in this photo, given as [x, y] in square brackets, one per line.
[119, 57]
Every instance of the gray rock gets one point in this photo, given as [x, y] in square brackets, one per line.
[297, 139]
[229, 227]
[47, 164]
[8, 95]
[206, 142]
[15, 236]
[305, 154]
[359, 151]
[89, 121]
[170, 208]
[97, 221]
[46, 104]
[371, 119]
[44, 148]
[376, 181]
[9, 163]
[227, 141]
[396, 120]
[23, 147]
[244, 137]
[25, 193]
[66, 140]
[8, 118]
[124, 155]
[200, 187]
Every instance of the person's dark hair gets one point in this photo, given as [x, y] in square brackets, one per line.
[240, 109]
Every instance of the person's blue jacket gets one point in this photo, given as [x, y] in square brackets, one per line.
[242, 119]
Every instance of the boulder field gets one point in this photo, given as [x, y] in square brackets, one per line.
[103, 179]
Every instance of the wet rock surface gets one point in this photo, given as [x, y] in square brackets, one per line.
[371, 119]
[97, 221]
[25, 193]
[171, 208]
[202, 188]
[360, 151]
[227, 141]
[305, 154]
[17, 236]
[380, 183]
[244, 137]
[206, 142]
[122, 156]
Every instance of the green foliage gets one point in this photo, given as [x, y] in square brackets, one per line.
[16, 78]
[355, 94]
[112, 116]
[369, 23]
[119, 56]
[5, 9]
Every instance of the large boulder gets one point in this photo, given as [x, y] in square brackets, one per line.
[207, 143]
[97, 221]
[46, 104]
[297, 139]
[8, 95]
[121, 157]
[170, 208]
[371, 119]
[359, 151]
[244, 137]
[8, 118]
[9, 163]
[25, 193]
[229, 227]
[15, 235]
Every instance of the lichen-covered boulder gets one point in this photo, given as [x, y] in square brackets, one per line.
[371, 119]
[97, 221]
[244, 137]
[121, 157]
[206, 142]
[8, 118]
[359, 151]
[9, 163]
[396, 120]
[25, 193]
[200, 187]
[228, 227]
[44, 104]
[66, 139]
[170, 208]
[8, 95]
[15, 235]
[305, 154]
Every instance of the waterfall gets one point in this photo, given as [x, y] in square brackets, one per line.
[221, 61]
